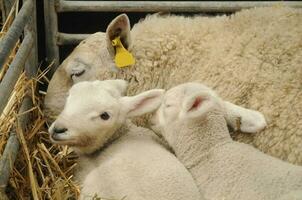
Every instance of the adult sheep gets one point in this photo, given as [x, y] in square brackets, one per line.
[252, 58]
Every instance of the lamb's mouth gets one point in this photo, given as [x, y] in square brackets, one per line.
[60, 139]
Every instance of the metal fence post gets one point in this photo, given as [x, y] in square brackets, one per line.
[31, 64]
[51, 30]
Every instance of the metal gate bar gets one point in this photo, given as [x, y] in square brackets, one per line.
[52, 7]
[16, 67]
[51, 31]
[32, 62]
[68, 38]
[26, 59]
[11, 37]
[164, 6]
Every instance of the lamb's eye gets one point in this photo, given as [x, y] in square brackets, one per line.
[105, 116]
[77, 74]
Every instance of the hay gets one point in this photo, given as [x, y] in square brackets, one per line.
[42, 170]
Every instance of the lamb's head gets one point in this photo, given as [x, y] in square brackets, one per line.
[91, 60]
[195, 101]
[183, 103]
[95, 111]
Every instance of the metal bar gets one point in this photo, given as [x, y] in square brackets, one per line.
[11, 37]
[14, 71]
[67, 38]
[12, 146]
[8, 158]
[165, 6]
[51, 30]
[31, 64]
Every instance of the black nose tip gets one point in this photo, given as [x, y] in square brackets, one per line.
[59, 130]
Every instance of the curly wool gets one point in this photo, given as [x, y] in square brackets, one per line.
[251, 58]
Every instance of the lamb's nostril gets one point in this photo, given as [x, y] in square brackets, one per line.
[57, 130]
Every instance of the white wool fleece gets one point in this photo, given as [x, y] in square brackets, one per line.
[136, 166]
[193, 125]
[252, 58]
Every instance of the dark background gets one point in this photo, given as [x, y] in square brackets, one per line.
[78, 22]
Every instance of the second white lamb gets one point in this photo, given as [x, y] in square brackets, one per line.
[191, 120]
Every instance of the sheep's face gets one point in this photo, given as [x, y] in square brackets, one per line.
[94, 111]
[89, 118]
[91, 60]
[182, 103]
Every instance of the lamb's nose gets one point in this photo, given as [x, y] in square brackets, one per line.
[59, 130]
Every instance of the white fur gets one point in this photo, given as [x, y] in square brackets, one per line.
[118, 159]
[191, 120]
[252, 58]
[251, 121]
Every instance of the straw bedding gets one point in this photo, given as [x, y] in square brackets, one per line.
[42, 170]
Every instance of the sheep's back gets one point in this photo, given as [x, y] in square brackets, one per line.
[239, 171]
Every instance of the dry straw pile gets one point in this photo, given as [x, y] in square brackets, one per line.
[42, 170]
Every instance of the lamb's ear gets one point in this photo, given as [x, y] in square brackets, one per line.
[246, 120]
[120, 26]
[142, 103]
[197, 105]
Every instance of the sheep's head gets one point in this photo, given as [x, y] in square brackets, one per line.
[92, 59]
[94, 111]
[194, 101]
[185, 102]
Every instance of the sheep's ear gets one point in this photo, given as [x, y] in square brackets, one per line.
[142, 103]
[120, 26]
[118, 84]
[197, 105]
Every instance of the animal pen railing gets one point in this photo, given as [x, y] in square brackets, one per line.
[54, 38]
[22, 29]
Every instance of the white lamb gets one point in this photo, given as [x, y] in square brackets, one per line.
[191, 120]
[118, 159]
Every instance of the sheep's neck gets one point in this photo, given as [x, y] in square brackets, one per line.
[123, 129]
[193, 141]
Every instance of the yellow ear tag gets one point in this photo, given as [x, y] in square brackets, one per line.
[123, 58]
